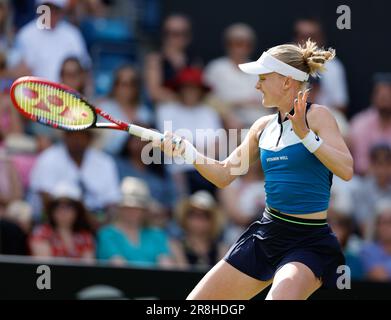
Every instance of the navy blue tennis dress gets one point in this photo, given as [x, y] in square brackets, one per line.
[296, 182]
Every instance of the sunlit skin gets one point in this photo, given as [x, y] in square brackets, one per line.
[278, 91]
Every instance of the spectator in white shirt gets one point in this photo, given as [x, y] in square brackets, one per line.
[233, 91]
[333, 86]
[41, 51]
[191, 118]
[74, 161]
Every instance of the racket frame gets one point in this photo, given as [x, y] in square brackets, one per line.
[115, 123]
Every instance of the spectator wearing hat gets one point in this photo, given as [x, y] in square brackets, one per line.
[129, 240]
[76, 162]
[372, 188]
[233, 93]
[373, 125]
[163, 66]
[67, 232]
[376, 255]
[191, 118]
[41, 50]
[202, 222]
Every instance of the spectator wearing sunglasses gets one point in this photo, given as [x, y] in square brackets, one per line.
[124, 103]
[201, 221]
[162, 67]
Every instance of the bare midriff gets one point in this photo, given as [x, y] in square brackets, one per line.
[316, 215]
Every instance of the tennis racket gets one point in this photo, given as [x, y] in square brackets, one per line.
[59, 106]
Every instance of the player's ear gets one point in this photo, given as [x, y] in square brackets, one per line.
[287, 84]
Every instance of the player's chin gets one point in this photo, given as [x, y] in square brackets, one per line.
[266, 103]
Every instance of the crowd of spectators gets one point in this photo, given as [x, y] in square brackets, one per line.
[91, 195]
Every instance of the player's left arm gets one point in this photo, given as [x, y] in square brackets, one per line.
[333, 152]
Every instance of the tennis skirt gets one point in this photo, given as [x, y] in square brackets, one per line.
[273, 241]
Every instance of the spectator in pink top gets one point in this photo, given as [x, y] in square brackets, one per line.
[373, 125]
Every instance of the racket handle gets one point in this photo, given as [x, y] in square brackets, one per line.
[145, 133]
[190, 153]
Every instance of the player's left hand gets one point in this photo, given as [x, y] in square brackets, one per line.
[299, 124]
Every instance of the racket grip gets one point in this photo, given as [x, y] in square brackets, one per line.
[145, 133]
[190, 153]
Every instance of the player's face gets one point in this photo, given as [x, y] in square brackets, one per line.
[270, 85]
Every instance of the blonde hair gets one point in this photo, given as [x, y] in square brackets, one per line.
[308, 57]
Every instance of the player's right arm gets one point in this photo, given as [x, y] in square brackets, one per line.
[222, 173]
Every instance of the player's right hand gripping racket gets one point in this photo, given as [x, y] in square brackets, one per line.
[59, 106]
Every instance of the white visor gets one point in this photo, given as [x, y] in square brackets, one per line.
[268, 64]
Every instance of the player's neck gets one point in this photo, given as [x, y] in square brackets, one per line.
[285, 107]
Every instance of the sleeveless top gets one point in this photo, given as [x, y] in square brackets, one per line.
[296, 182]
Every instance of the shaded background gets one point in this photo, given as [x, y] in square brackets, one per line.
[364, 49]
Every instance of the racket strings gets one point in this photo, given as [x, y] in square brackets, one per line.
[53, 106]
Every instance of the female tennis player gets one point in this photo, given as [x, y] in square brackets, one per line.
[291, 246]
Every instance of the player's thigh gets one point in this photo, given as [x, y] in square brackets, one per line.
[293, 281]
[224, 282]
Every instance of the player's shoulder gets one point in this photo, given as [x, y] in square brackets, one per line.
[319, 114]
[262, 122]
[318, 109]
[259, 125]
